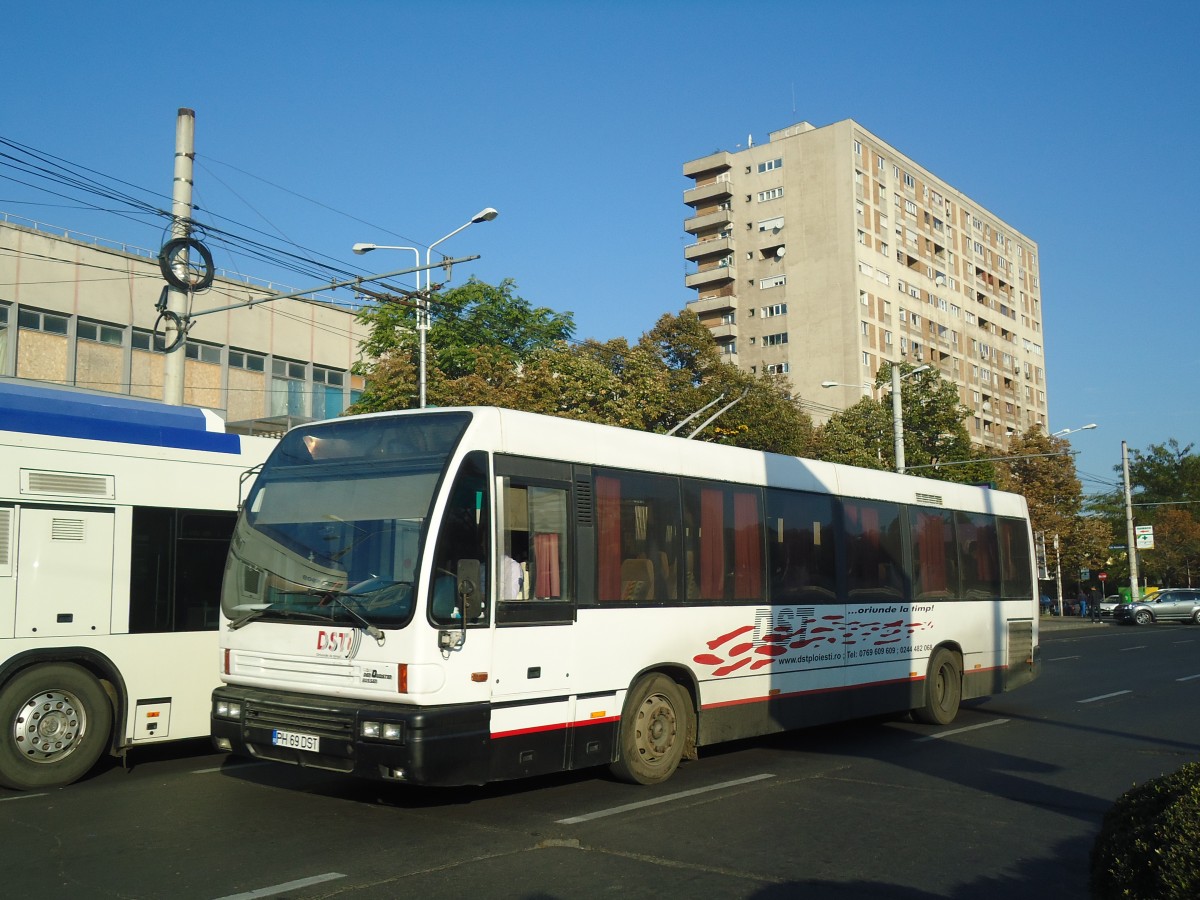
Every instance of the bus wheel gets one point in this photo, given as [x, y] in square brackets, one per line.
[943, 689]
[54, 722]
[654, 731]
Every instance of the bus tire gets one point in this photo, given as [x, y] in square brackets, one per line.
[654, 731]
[55, 721]
[943, 689]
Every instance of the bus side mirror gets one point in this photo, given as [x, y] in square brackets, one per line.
[470, 597]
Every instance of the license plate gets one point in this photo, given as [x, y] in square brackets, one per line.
[296, 740]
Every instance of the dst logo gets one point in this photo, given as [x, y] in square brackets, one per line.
[343, 644]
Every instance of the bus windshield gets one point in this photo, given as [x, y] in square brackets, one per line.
[334, 527]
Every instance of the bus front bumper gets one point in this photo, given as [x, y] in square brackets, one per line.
[393, 742]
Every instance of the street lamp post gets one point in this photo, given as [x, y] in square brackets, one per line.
[484, 215]
[897, 409]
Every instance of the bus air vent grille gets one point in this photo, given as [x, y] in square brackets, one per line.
[67, 484]
[930, 499]
[583, 502]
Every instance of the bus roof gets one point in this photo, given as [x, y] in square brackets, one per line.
[69, 412]
[571, 440]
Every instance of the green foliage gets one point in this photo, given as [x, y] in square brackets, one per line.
[1165, 485]
[1149, 842]
[934, 430]
[488, 347]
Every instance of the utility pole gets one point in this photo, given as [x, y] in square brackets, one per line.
[1130, 536]
[181, 218]
[897, 419]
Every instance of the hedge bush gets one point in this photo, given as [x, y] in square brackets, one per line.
[1149, 842]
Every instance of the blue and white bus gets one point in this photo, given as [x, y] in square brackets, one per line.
[115, 518]
[457, 596]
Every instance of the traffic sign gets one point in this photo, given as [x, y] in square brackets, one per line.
[1103, 576]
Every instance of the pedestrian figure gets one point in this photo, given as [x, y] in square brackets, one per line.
[1082, 601]
[1095, 606]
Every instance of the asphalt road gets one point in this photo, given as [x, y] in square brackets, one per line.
[1004, 802]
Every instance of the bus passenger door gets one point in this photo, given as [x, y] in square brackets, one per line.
[533, 645]
[64, 572]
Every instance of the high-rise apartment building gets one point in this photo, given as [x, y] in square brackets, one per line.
[825, 252]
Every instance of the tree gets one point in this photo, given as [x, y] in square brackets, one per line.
[1175, 559]
[475, 325]
[936, 443]
[1041, 467]
[1165, 483]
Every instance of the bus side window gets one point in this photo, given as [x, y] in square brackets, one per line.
[535, 564]
[463, 535]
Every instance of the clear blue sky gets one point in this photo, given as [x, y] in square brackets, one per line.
[1074, 122]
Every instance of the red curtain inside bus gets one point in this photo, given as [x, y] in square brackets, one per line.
[608, 538]
[549, 574]
[747, 546]
[712, 543]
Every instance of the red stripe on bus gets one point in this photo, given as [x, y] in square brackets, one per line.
[534, 729]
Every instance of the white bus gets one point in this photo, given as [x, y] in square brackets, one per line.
[115, 518]
[458, 596]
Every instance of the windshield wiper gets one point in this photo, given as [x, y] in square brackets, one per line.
[249, 617]
[373, 630]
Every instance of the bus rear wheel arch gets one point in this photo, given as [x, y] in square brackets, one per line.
[55, 722]
[657, 730]
[943, 688]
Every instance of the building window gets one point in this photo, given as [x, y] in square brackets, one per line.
[774, 281]
[95, 331]
[288, 384]
[858, 148]
[32, 320]
[206, 353]
[769, 165]
[778, 309]
[152, 342]
[908, 181]
[777, 368]
[772, 194]
[329, 397]
[774, 340]
[251, 362]
[771, 224]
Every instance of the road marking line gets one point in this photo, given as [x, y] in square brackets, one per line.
[1187, 678]
[280, 888]
[1138, 647]
[1061, 658]
[22, 797]
[943, 734]
[226, 768]
[1104, 696]
[575, 820]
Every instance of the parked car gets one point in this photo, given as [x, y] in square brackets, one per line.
[1109, 605]
[1171, 604]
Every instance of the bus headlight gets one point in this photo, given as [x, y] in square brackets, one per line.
[227, 709]
[381, 731]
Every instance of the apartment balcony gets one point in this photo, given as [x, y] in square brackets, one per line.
[708, 193]
[725, 331]
[716, 219]
[720, 161]
[715, 275]
[711, 247]
[713, 305]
